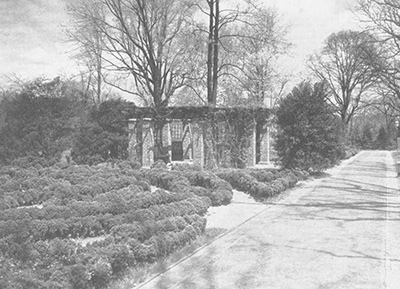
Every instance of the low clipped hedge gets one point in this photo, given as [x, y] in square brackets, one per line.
[200, 183]
[61, 222]
[60, 185]
[261, 184]
[67, 265]
[43, 211]
[221, 191]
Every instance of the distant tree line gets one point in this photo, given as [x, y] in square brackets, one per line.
[361, 70]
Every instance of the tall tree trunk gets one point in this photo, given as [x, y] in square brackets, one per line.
[210, 61]
[215, 56]
[160, 152]
[99, 79]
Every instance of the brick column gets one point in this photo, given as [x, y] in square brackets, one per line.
[266, 144]
[148, 142]
[132, 142]
[135, 150]
[187, 142]
[198, 142]
[251, 151]
[167, 139]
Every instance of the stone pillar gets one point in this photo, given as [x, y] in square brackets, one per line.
[167, 140]
[187, 142]
[148, 142]
[251, 151]
[135, 144]
[132, 142]
[266, 144]
[198, 143]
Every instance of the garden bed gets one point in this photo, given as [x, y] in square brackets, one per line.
[118, 220]
[83, 226]
[261, 183]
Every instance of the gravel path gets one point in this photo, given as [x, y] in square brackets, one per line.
[340, 231]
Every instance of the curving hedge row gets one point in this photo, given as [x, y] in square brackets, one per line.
[43, 209]
[261, 184]
[200, 183]
[97, 225]
[60, 185]
[67, 266]
[221, 190]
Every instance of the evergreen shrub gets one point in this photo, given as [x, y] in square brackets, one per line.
[309, 133]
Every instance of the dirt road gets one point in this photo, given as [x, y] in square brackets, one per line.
[340, 231]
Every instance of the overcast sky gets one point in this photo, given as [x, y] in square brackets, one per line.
[32, 42]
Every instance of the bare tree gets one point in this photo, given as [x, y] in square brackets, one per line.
[234, 37]
[218, 21]
[259, 42]
[388, 105]
[212, 51]
[344, 64]
[140, 45]
[383, 19]
[89, 42]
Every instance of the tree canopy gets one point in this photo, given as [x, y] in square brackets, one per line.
[383, 20]
[344, 64]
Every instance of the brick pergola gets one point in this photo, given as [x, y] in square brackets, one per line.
[185, 133]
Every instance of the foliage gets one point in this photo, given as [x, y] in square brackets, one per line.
[382, 140]
[191, 182]
[372, 134]
[36, 126]
[259, 183]
[39, 119]
[42, 119]
[46, 210]
[105, 137]
[309, 134]
[350, 151]
[366, 138]
[219, 191]
[186, 167]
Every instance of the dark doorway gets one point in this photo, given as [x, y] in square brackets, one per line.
[177, 141]
[177, 151]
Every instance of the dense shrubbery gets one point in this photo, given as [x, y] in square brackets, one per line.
[44, 209]
[106, 135]
[42, 119]
[39, 119]
[260, 183]
[309, 134]
[200, 183]
[350, 151]
[36, 126]
[380, 140]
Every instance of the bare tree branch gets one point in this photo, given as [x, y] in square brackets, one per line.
[345, 65]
